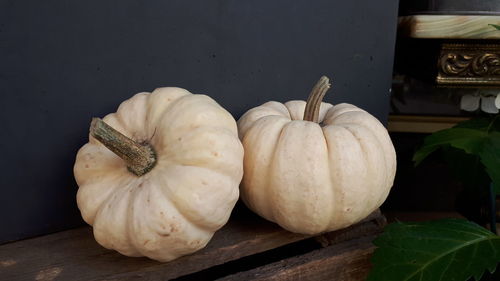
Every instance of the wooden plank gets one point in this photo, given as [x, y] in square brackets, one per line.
[421, 124]
[450, 26]
[420, 216]
[347, 261]
[368, 227]
[372, 225]
[74, 254]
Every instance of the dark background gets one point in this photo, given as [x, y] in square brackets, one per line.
[62, 62]
[449, 7]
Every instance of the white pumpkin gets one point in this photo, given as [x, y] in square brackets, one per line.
[320, 174]
[178, 183]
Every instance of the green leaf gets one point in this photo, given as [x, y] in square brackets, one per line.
[467, 168]
[467, 139]
[495, 26]
[475, 123]
[490, 157]
[450, 249]
[479, 136]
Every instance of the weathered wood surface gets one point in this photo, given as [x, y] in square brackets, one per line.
[74, 254]
[450, 26]
[347, 261]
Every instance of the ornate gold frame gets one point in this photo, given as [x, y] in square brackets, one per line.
[469, 65]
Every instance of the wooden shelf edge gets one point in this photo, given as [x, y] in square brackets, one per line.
[421, 124]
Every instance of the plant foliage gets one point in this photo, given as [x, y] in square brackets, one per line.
[450, 249]
[479, 137]
[495, 26]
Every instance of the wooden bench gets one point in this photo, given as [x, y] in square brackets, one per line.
[247, 248]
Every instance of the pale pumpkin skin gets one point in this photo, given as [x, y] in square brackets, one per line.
[174, 209]
[314, 177]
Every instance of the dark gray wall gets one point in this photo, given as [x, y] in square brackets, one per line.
[63, 62]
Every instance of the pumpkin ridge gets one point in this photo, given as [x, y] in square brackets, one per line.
[103, 237]
[168, 192]
[166, 110]
[367, 155]
[171, 121]
[153, 114]
[103, 201]
[285, 143]
[134, 190]
[372, 124]
[271, 171]
[347, 207]
[125, 109]
[262, 125]
[335, 198]
[268, 104]
[223, 157]
[247, 120]
[301, 105]
[300, 108]
[135, 234]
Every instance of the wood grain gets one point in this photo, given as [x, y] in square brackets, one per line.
[450, 26]
[347, 261]
[74, 254]
[421, 124]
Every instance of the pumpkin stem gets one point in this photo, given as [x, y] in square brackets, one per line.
[140, 158]
[311, 113]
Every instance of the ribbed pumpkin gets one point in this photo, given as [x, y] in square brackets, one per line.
[314, 167]
[160, 176]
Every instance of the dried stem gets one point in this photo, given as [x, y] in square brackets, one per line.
[315, 98]
[140, 158]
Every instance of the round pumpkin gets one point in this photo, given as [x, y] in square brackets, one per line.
[314, 167]
[160, 176]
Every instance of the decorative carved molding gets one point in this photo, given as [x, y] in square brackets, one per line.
[469, 65]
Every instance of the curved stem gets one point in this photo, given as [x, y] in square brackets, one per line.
[311, 113]
[140, 158]
[493, 209]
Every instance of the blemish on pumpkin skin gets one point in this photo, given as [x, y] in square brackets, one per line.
[7, 263]
[194, 243]
[48, 274]
[140, 185]
[173, 228]
[204, 182]
[215, 153]
[87, 166]
[145, 242]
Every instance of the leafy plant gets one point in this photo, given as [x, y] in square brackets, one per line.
[495, 26]
[479, 137]
[451, 249]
